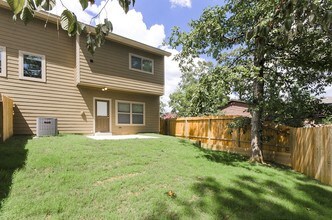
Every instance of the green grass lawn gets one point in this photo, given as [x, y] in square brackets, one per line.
[73, 177]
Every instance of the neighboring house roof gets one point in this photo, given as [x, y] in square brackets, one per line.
[169, 115]
[236, 107]
[114, 37]
[327, 100]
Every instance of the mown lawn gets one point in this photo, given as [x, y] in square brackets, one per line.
[73, 177]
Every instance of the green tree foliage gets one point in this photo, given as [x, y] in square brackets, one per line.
[193, 95]
[181, 99]
[26, 9]
[327, 120]
[162, 108]
[276, 53]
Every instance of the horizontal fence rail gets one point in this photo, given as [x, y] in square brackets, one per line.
[306, 150]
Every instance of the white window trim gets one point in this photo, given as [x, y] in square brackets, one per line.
[131, 113]
[3, 72]
[142, 71]
[21, 72]
[94, 112]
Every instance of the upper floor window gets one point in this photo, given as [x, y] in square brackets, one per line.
[130, 113]
[140, 63]
[3, 62]
[32, 66]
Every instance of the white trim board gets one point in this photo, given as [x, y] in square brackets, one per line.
[3, 58]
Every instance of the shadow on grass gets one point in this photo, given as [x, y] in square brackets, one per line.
[12, 158]
[249, 198]
[236, 160]
[239, 201]
[223, 157]
[162, 211]
[217, 156]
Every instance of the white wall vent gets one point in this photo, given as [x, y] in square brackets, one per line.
[47, 127]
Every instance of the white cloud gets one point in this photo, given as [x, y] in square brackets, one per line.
[181, 3]
[130, 25]
[328, 92]
[172, 75]
[75, 7]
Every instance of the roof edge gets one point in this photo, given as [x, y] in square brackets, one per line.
[111, 36]
[233, 101]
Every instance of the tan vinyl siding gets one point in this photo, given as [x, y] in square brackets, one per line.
[110, 68]
[58, 97]
[77, 61]
[151, 109]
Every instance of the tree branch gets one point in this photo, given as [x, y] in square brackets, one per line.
[239, 57]
[97, 15]
[63, 5]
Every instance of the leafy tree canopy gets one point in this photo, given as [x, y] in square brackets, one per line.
[162, 108]
[199, 92]
[25, 10]
[274, 53]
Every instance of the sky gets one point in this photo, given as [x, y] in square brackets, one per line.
[149, 22]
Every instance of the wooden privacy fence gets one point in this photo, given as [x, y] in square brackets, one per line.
[312, 152]
[6, 118]
[213, 133]
[306, 150]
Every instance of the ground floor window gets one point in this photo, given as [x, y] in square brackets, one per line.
[130, 113]
[32, 66]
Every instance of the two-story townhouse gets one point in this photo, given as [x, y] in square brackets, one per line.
[48, 74]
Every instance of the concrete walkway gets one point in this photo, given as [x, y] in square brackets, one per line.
[119, 137]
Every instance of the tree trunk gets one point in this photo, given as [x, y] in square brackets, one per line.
[256, 120]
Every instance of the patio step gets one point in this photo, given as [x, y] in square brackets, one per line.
[103, 134]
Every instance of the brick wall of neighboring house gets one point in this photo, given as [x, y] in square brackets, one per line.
[236, 108]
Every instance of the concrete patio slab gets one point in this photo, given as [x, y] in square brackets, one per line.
[119, 137]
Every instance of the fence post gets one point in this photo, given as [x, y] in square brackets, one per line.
[239, 137]
[7, 117]
[167, 127]
[329, 154]
[291, 144]
[186, 130]
[209, 129]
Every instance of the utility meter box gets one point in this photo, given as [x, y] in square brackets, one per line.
[47, 127]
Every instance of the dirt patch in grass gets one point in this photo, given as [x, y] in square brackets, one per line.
[115, 178]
